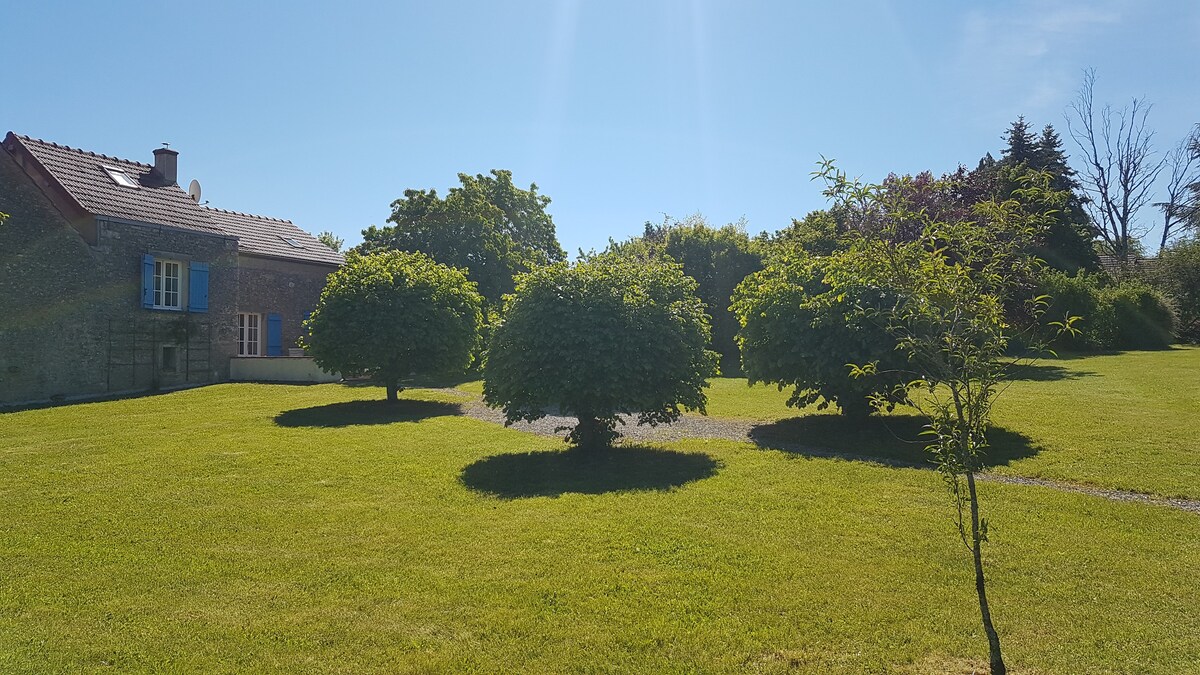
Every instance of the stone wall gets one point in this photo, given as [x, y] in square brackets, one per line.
[71, 320]
[290, 289]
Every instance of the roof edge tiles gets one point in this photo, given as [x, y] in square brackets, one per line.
[248, 215]
[81, 151]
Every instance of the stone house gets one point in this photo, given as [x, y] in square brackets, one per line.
[113, 279]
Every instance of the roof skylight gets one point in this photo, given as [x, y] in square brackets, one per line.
[120, 177]
[292, 242]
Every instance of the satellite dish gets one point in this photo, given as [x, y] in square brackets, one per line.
[194, 191]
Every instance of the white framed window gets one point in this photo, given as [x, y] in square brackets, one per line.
[167, 284]
[249, 334]
[120, 177]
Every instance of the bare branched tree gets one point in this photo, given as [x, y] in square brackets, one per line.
[1181, 210]
[1119, 165]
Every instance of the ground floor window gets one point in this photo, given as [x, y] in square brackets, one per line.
[249, 334]
[169, 359]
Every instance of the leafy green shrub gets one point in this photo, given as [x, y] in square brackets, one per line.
[1076, 296]
[718, 258]
[797, 333]
[1177, 274]
[394, 314]
[605, 337]
[1127, 315]
[1135, 316]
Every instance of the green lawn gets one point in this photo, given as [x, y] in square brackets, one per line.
[1129, 421]
[294, 529]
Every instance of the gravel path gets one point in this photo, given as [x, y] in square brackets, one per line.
[692, 426]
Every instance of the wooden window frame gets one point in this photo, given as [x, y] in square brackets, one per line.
[244, 331]
[163, 291]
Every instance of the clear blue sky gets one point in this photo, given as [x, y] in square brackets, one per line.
[620, 111]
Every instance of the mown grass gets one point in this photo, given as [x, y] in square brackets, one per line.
[296, 529]
[1129, 421]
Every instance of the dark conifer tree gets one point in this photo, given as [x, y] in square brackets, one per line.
[1022, 145]
[986, 163]
[1067, 244]
[1048, 156]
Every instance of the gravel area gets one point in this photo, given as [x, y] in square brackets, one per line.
[691, 426]
[687, 427]
[1190, 505]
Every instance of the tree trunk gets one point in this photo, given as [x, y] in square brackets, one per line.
[587, 432]
[393, 388]
[855, 407]
[995, 659]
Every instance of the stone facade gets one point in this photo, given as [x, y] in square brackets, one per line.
[72, 322]
[71, 319]
[288, 288]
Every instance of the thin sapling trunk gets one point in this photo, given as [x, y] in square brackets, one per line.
[996, 661]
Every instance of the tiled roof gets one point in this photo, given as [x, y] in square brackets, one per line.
[272, 237]
[82, 174]
[1114, 266]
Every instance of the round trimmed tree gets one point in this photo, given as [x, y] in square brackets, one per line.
[392, 315]
[604, 338]
[797, 332]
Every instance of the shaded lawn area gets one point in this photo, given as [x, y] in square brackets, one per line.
[1129, 421]
[895, 436]
[218, 530]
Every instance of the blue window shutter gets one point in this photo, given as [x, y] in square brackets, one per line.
[147, 280]
[198, 287]
[274, 335]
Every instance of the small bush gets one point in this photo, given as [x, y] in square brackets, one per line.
[601, 339]
[395, 314]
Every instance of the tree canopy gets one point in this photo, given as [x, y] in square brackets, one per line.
[1178, 274]
[606, 337]
[487, 226]
[818, 233]
[394, 314]
[718, 258]
[1065, 242]
[796, 333]
[331, 240]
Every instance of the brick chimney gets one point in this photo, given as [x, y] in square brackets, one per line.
[166, 166]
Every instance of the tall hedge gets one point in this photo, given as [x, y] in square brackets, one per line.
[1177, 274]
[1125, 315]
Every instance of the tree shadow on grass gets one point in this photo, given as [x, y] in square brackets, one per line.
[554, 473]
[890, 439]
[1046, 373]
[354, 413]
